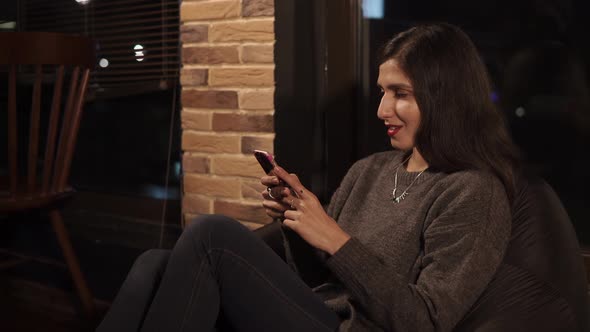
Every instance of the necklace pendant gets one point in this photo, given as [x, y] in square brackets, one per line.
[403, 195]
[400, 198]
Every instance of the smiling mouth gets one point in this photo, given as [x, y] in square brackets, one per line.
[393, 130]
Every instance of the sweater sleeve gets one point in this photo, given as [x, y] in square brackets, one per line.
[301, 257]
[465, 236]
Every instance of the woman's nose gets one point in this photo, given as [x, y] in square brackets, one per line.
[384, 110]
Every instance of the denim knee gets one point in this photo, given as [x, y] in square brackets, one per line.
[150, 263]
[211, 227]
[154, 259]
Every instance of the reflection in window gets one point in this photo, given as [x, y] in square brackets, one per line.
[373, 8]
[130, 126]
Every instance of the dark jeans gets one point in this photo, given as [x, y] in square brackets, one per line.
[218, 268]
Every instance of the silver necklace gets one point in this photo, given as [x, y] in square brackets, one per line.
[405, 192]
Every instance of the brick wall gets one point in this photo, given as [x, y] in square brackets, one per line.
[227, 83]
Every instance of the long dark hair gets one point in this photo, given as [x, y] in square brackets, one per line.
[460, 127]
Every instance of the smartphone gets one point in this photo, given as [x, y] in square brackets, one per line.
[268, 163]
[265, 160]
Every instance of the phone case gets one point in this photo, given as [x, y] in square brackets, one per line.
[265, 160]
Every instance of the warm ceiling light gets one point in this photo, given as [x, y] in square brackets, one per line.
[103, 63]
[138, 52]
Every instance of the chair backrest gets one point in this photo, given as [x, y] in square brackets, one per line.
[541, 284]
[40, 58]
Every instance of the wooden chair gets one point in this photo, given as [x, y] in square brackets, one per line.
[35, 180]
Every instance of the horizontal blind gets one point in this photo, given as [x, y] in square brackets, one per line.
[137, 40]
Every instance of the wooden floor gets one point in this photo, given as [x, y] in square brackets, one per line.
[20, 318]
[36, 290]
[29, 307]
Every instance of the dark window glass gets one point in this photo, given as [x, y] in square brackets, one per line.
[129, 133]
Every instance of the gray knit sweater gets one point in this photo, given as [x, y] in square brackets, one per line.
[418, 265]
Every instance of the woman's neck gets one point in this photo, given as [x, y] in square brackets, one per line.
[416, 163]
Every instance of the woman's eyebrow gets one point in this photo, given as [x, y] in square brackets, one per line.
[395, 86]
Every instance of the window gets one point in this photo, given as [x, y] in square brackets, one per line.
[137, 40]
[126, 167]
[124, 140]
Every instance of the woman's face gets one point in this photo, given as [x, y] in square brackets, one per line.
[398, 108]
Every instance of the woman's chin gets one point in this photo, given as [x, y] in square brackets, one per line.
[398, 145]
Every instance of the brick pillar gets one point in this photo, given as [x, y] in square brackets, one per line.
[227, 83]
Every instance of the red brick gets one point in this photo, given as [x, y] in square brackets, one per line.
[248, 76]
[243, 122]
[236, 165]
[258, 53]
[205, 10]
[259, 99]
[195, 164]
[212, 186]
[196, 120]
[251, 143]
[194, 33]
[193, 77]
[258, 8]
[210, 99]
[259, 30]
[212, 143]
[210, 55]
[196, 204]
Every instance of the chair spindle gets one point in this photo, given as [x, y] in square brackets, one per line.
[75, 125]
[58, 172]
[34, 130]
[52, 130]
[12, 142]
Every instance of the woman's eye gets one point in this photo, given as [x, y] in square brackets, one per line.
[401, 94]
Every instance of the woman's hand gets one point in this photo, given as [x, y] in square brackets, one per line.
[273, 196]
[307, 217]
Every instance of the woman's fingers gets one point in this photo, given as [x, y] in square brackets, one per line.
[290, 179]
[270, 180]
[274, 214]
[291, 219]
[276, 193]
[292, 214]
[294, 202]
[272, 204]
[273, 208]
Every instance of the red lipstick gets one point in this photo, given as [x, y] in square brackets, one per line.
[392, 130]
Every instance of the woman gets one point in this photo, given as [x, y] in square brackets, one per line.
[411, 237]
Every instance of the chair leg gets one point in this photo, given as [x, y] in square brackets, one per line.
[72, 262]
